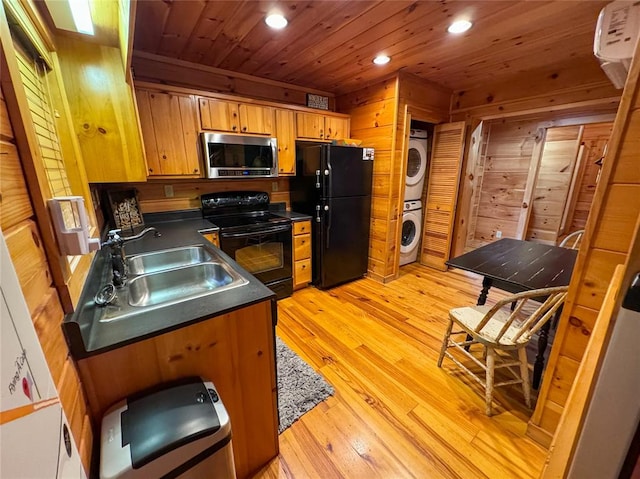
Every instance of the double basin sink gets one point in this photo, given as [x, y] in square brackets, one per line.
[171, 276]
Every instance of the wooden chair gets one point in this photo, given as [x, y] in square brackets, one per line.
[498, 328]
[572, 241]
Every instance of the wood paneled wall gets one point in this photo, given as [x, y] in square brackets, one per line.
[380, 117]
[158, 69]
[552, 182]
[374, 114]
[24, 241]
[594, 138]
[607, 243]
[501, 187]
[186, 193]
[554, 88]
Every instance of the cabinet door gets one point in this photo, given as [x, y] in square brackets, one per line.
[219, 115]
[336, 128]
[172, 138]
[310, 126]
[256, 119]
[285, 134]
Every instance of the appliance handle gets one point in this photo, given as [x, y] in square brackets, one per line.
[276, 229]
[327, 208]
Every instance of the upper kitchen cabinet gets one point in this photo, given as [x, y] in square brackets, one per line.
[336, 127]
[286, 136]
[221, 115]
[102, 110]
[170, 132]
[312, 126]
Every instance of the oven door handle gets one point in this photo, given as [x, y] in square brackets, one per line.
[276, 229]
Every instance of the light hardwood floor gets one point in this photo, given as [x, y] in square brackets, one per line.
[395, 414]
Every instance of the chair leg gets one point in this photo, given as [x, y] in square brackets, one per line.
[445, 342]
[524, 373]
[491, 360]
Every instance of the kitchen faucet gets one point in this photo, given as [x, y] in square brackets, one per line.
[116, 243]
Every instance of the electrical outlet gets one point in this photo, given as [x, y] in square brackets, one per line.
[274, 186]
[498, 234]
[168, 191]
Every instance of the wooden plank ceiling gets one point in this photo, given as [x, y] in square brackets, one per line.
[329, 45]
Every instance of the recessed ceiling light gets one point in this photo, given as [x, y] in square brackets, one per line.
[276, 21]
[460, 26]
[381, 60]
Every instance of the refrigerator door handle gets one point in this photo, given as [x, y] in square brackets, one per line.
[327, 208]
[318, 179]
[317, 213]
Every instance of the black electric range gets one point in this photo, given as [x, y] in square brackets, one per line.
[255, 238]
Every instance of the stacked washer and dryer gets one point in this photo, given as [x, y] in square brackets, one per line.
[417, 160]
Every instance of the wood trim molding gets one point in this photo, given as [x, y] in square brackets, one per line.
[566, 437]
[532, 179]
[228, 73]
[578, 105]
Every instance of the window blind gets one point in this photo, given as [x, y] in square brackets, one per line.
[34, 74]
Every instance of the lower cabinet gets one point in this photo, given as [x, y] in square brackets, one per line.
[234, 350]
[301, 254]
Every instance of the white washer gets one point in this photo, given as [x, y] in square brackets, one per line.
[411, 232]
[416, 165]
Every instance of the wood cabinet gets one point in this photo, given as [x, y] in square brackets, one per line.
[170, 132]
[312, 126]
[301, 253]
[213, 238]
[336, 127]
[233, 117]
[234, 350]
[286, 136]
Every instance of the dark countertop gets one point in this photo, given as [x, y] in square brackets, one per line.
[87, 335]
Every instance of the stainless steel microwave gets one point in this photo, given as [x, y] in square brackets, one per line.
[234, 156]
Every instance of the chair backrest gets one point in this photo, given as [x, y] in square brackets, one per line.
[572, 241]
[552, 299]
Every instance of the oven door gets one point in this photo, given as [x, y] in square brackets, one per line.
[265, 253]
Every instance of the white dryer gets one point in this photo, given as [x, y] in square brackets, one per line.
[416, 165]
[411, 232]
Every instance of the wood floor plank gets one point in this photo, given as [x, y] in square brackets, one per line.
[395, 414]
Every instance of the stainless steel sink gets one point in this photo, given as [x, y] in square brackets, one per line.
[181, 283]
[167, 259]
[168, 277]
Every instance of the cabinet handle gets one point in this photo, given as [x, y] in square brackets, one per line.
[195, 170]
[321, 135]
[234, 127]
[304, 266]
[164, 157]
[150, 170]
[244, 128]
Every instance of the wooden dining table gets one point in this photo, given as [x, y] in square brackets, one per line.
[516, 266]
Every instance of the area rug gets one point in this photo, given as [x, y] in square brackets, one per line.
[300, 388]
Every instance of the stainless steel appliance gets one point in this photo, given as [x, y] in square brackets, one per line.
[333, 184]
[256, 239]
[235, 156]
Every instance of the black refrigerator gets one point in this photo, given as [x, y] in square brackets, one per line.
[333, 186]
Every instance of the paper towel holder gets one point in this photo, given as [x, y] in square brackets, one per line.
[71, 225]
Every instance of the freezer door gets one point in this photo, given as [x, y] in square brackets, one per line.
[342, 241]
[346, 172]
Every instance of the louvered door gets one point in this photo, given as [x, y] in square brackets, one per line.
[442, 192]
